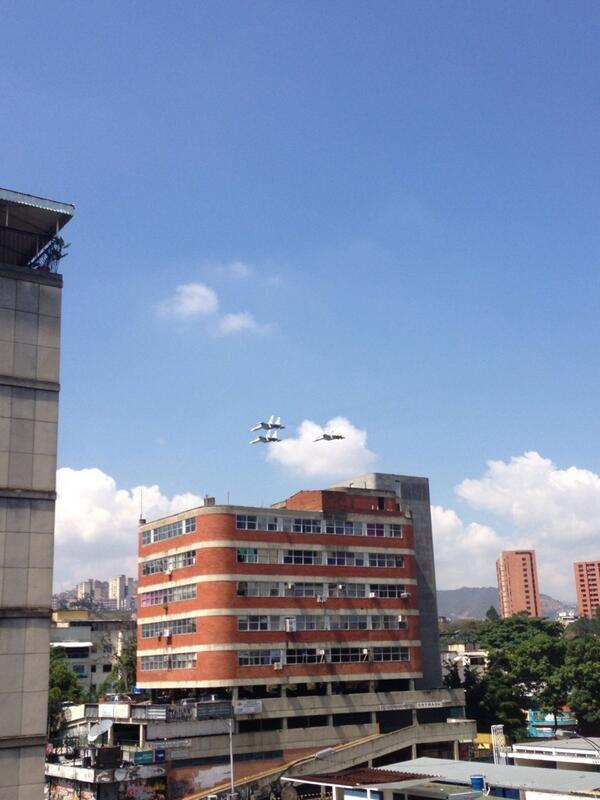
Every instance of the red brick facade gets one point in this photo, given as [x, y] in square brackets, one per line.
[218, 573]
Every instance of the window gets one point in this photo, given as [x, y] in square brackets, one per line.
[267, 523]
[303, 589]
[182, 661]
[395, 530]
[175, 626]
[345, 558]
[80, 670]
[346, 589]
[301, 557]
[258, 589]
[245, 522]
[388, 622]
[342, 527]
[375, 529]
[387, 590]
[348, 622]
[169, 531]
[308, 622]
[258, 623]
[172, 661]
[258, 658]
[391, 654]
[385, 560]
[304, 655]
[176, 561]
[106, 667]
[171, 595]
[306, 525]
[344, 655]
[255, 555]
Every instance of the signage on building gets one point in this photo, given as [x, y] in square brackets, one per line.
[248, 707]
[160, 756]
[407, 706]
[113, 710]
[143, 757]
[166, 745]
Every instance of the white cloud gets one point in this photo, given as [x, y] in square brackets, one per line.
[465, 554]
[96, 524]
[237, 323]
[555, 511]
[336, 459]
[236, 269]
[190, 300]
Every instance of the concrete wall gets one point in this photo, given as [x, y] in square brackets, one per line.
[29, 366]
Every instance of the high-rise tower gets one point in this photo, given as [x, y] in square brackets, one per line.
[518, 587]
[30, 305]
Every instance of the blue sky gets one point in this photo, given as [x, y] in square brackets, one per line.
[413, 188]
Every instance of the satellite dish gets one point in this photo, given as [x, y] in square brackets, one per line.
[98, 729]
[121, 774]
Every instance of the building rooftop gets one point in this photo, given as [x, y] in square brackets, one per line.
[28, 224]
[359, 777]
[506, 776]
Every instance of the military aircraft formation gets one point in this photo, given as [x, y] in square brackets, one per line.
[272, 426]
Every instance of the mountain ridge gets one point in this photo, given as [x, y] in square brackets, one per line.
[472, 602]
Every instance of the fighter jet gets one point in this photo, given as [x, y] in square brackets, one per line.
[329, 437]
[268, 438]
[272, 425]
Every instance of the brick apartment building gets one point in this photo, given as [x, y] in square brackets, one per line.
[306, 614]
[518, 587]
[587, 582]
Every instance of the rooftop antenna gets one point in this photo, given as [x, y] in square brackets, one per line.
[142, 520]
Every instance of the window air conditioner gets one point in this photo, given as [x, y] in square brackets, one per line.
[321, 652]
[400, 618]
[167, 633]
[340, 586]
[290, 585]
[278, 665]
[290, 624]
[405, 595]
[168, 572]
[320, 598]
[365, 651]
[372, 594]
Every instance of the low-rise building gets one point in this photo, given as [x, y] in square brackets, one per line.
[91, 643]
[464, 655]
[578, 753]
[444, 779]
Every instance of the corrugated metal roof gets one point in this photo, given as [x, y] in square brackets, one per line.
[506, 776]
[361, 776]
[22, 199]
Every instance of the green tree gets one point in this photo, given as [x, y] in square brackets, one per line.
[452, 677]
[507, 634]
[581, 674]
[62, 686]
[492, 615]
[123, 674]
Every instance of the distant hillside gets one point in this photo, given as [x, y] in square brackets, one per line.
[474, 601]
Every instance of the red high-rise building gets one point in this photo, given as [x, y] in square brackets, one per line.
[518, 588]
[587, 581]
